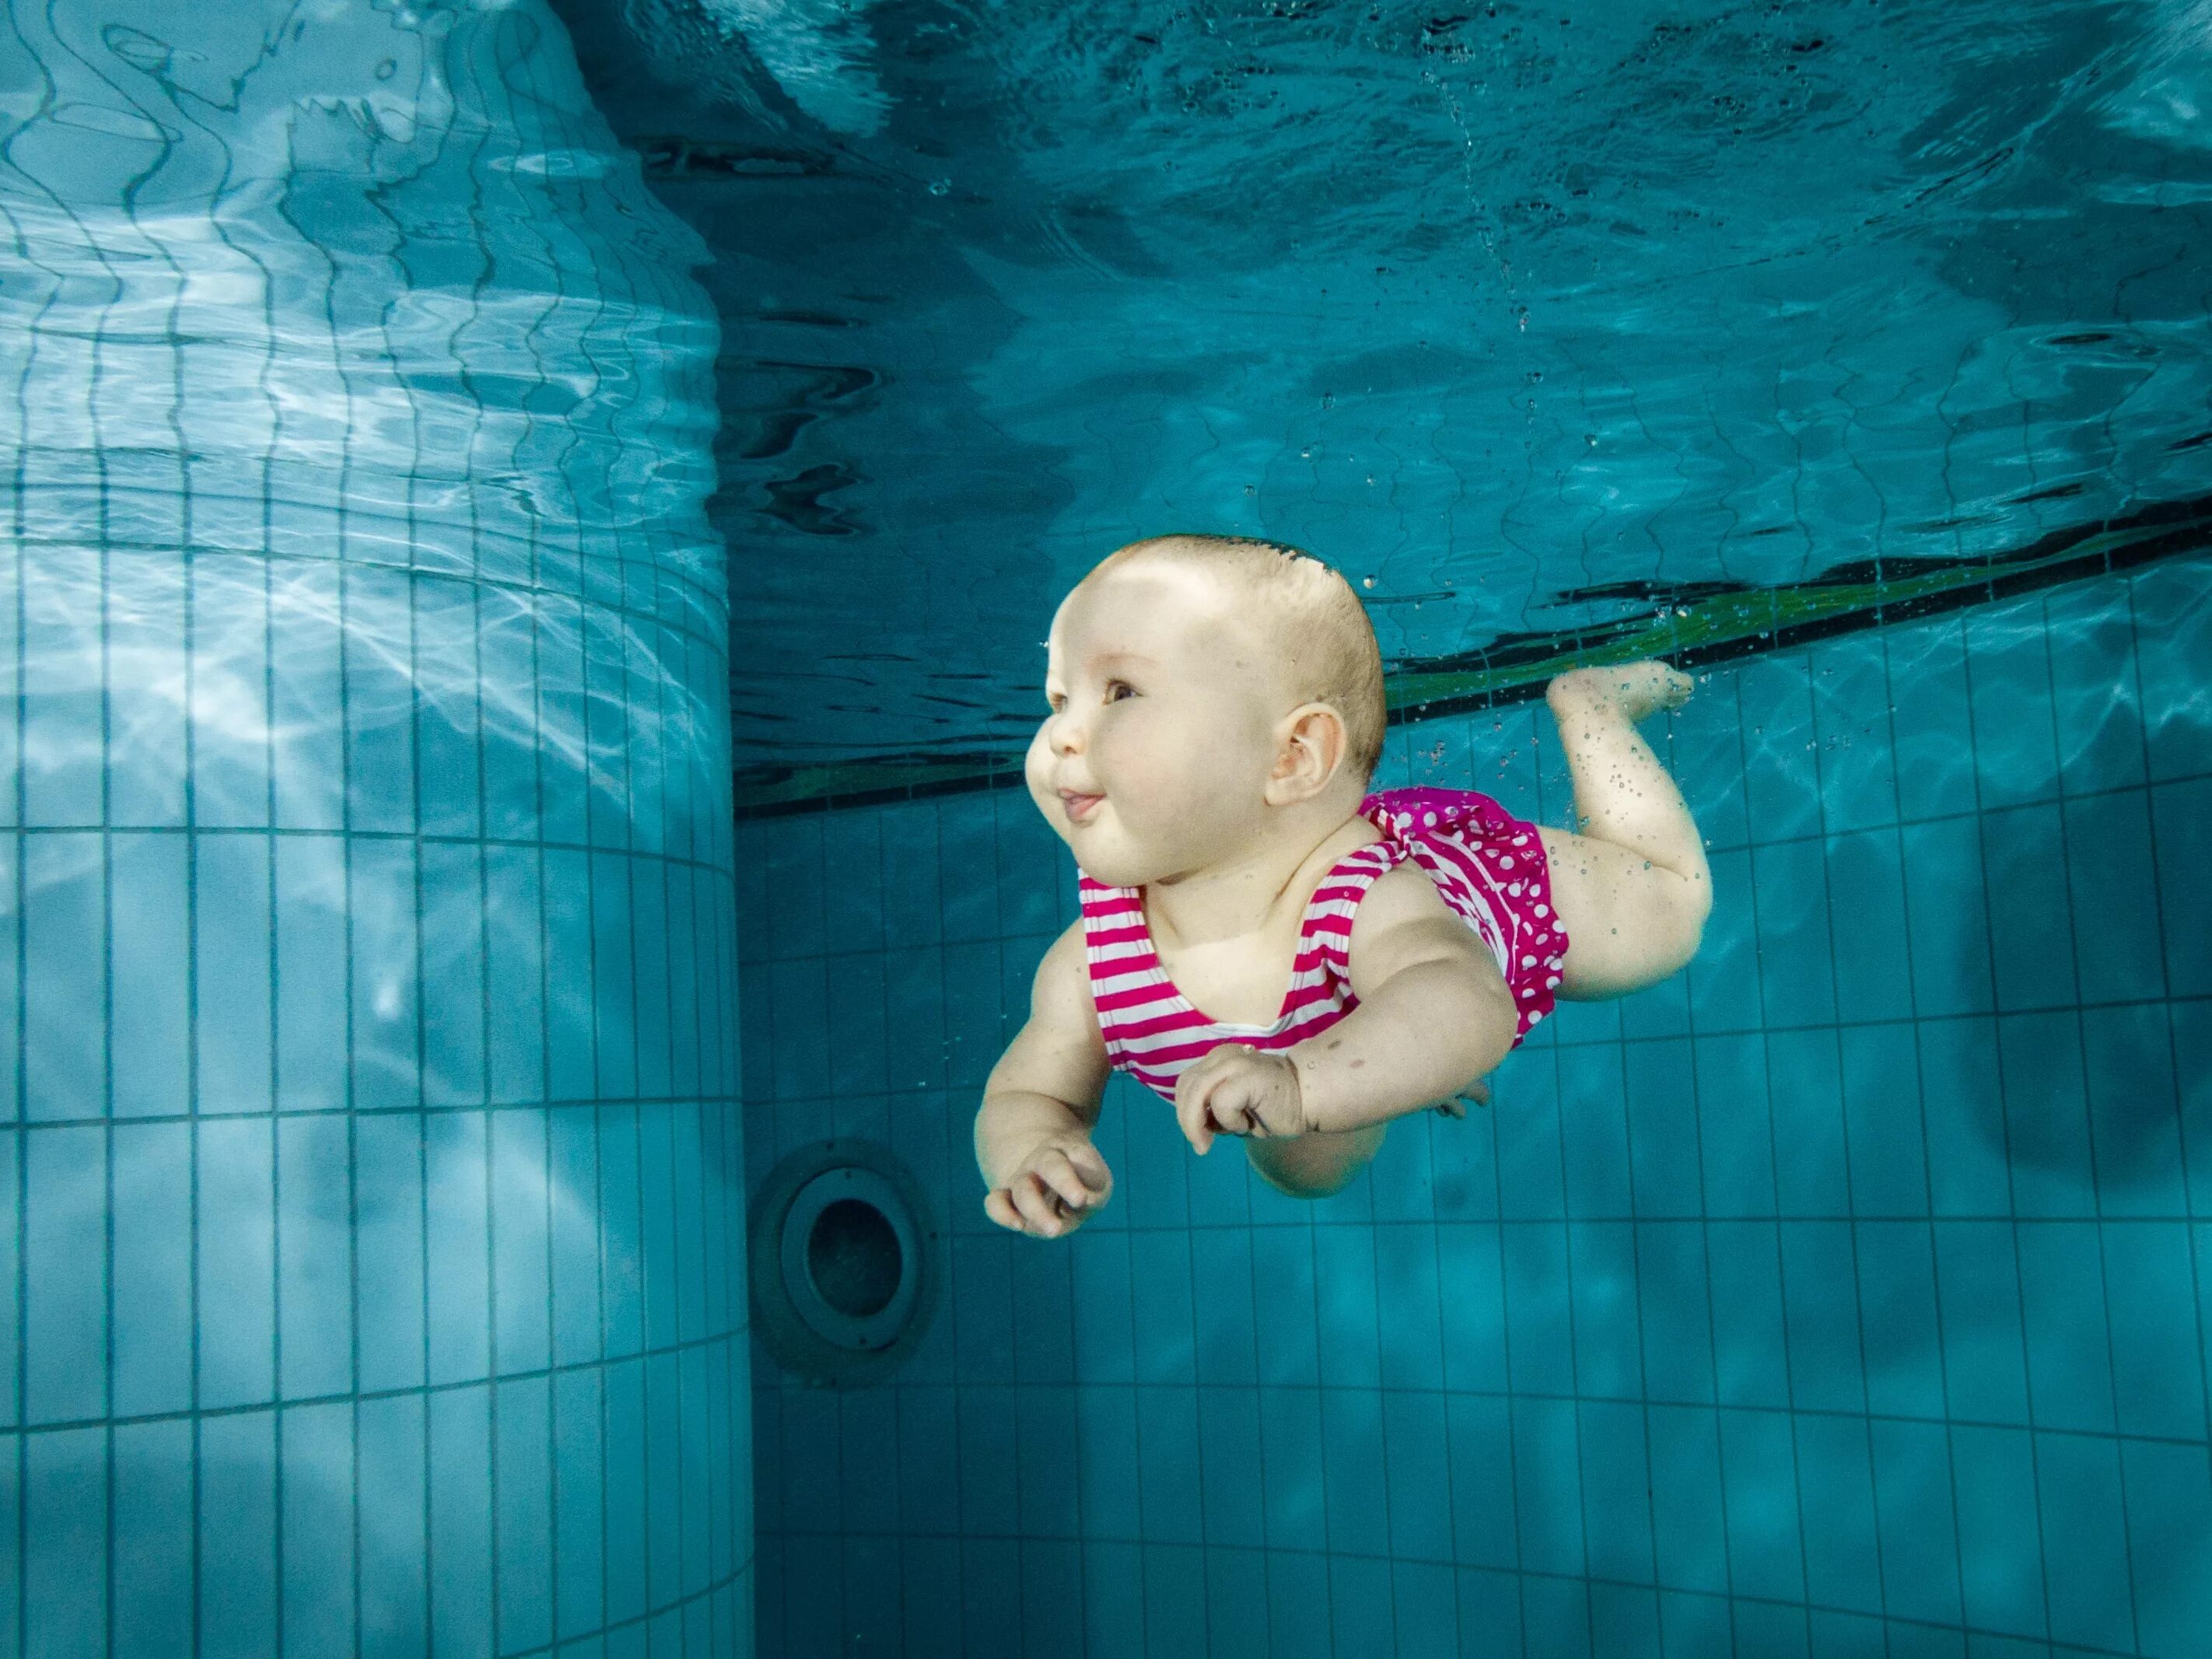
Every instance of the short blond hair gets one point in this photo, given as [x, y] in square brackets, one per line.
[1327, 644]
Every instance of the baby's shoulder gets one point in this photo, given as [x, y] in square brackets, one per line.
[1405, 892]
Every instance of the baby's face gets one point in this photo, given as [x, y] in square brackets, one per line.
[1155, 760]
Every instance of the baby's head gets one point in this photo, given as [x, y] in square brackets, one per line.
[1207, 692]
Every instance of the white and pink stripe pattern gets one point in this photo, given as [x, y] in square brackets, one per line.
[1488, 865]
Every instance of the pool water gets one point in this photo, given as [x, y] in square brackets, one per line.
[527, 525]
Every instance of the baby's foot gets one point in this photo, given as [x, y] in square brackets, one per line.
[1635, 689]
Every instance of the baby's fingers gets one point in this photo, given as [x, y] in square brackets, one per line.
[1040, 1206]
[1057, 1170]
[999, 1206]
[1191, 1090]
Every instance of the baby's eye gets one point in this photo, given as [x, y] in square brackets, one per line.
[1055, 701]
[1117, 690]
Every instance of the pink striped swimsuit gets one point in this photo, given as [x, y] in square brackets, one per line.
[1488, 866]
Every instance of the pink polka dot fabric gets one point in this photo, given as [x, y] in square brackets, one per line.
[1489, 867]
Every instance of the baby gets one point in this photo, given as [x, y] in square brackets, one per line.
[1217, 710]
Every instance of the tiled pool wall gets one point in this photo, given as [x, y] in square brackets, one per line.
[1847, 1295]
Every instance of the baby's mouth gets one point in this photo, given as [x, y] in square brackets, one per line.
[1078, 807]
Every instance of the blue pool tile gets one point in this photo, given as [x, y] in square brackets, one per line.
[1526, 1108]
[2016, 744]
[1624, 1621]
[866, 1435]
[2173, 625]
[1112, 1472]
[1916, 1526]
[2046, 1114]
[1555, 1618]
[982, 1305]
[1811, 1172]
[2181, 818]
[1616, 1490]
[1539, 1308]
[856, 1036]
[1851, 713]
[1797, 969]
[2169, 1539]
[1689, 1536]
[1964, 1114]
[2031, 936]
[929, 1465]
[2063, 1312]
[1174, 1598]
[1408, 1307]
[238, 1522]
[1490, 1621]
[1782, 782]
[1946, 902]
[147, 1010]
[1758, 1466]
[1547, 1486]
[2112, 886]
[990, 1583]
[1471, 1307]
[2135, 1119]
[1932, 721]
[1601, 1291]
[913, 910]
[1227, 1318]
[1231, 1466]
[2091, 640]
[1751, 1355]
[1298, 1608]
[1734, 1126]
[1168, 1441]
[1900, 1331]
[1835, 1475]
[1866, 902]
[1235, 1605]
[990, 1494]
[1984, 1351]
[2001, 1548]
[1029, 880]
[796, 874]
[1658, 1011]
[1345, 1301]
[968, 868]
[1707, 761]
[1423, 1608]
[1693, 1624]
[152, 1342]
[2158, 1374]
[1883, 1116]
[1354, 1471]
[1419, 1475]
[851, 853]
[1845, 1635]
[153, 1525]
[2078, 1481]
[1820, 1309]
[1673, 1309]
[1284, 1306]
[1297, 1495]
[1484, 1519]
[930, 1599]
[1593, 1115]
[1724, 977]
[1662, 1129]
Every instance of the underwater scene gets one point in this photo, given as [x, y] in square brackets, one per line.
[567, 781]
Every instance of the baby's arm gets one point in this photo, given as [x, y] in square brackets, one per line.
[1434, 1015]
[1040, 1102]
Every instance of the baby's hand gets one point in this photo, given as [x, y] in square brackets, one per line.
[1054, 1190]
[1235, 1090]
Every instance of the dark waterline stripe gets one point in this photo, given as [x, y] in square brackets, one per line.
[1717, 626]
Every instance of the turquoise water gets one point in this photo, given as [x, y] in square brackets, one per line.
[399, 1012]
[367, 1176]
[1845, 1296]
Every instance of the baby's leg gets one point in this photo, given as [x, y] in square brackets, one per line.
[1633, 888]
[1315, 1165]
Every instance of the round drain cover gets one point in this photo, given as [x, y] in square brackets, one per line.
[842, 1272]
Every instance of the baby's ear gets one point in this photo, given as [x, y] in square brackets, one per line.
[1309, 753]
